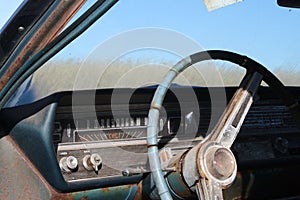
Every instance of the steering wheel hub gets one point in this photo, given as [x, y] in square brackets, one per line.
[222, 165]
[216, 162]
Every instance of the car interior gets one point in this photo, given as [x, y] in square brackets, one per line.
[161, 141]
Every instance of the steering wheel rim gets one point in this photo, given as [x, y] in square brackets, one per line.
[255, 71]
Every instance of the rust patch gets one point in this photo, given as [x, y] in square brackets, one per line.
[139, 192]
[62, 196]
[19, 178]
[104, 189]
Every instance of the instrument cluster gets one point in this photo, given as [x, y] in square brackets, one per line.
[112, 147]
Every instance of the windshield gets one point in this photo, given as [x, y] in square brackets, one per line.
[136, 42]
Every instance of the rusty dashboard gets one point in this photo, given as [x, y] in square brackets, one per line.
[92, 139]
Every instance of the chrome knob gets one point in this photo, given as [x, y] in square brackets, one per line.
[96, 161]
[92, 162]
[72, 163]
[68, 164]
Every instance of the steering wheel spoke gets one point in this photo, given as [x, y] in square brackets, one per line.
[232, 119]
[208, 189]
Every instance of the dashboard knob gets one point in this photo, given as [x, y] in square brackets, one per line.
[68, 164]
[92, 162]
[96, 161]
[72, 163]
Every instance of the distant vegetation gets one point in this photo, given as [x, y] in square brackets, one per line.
[69, 75]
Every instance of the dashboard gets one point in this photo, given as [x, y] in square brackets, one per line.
[99, 139]
[105, 142]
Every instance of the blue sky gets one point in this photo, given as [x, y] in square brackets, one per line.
[256, 28]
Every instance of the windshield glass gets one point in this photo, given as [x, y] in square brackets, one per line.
[136, 42]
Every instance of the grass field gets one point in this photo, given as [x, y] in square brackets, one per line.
[69, 75]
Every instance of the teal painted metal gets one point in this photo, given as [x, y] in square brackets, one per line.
[72, 32]
[118, 192]
[177, 187]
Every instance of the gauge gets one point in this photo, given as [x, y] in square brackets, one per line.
[90, 135]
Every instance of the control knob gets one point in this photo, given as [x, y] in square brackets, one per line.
[68, 164]
[92, 162]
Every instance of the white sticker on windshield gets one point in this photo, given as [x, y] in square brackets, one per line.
[215, 4]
